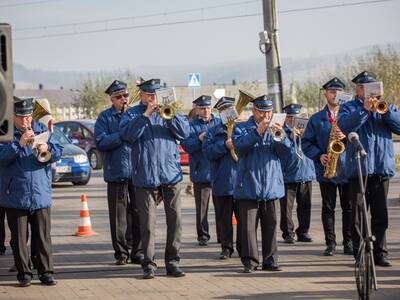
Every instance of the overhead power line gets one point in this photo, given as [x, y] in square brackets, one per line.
[120, 28]
[183, 11]
[27, 3]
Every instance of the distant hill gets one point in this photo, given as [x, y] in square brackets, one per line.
[297, 69]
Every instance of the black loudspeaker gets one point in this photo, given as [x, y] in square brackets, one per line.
[6, 85]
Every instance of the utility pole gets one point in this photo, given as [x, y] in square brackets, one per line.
[269, 38]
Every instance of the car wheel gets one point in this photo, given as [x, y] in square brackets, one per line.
[95, 159]
[83, 182]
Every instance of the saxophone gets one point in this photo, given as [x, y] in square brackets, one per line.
[335, 148]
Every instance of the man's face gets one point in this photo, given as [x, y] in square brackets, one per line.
[23, 123]
[119, 99]
[330, 95]
[204, 112]
[147, 98]
[260, 115]
[360, 91]
[289, 120]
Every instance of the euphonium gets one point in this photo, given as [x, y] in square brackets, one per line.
[335, 148]
[244, 99]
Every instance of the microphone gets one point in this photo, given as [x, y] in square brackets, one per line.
[355, 140]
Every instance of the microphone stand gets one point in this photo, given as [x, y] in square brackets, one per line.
[367, 236]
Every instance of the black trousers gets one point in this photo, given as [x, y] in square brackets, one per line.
[202, 194]
[226, 206]
[328, 193]
[147, 208]
[250, 211]
[2, 229]
[117, 196]
[132, 234]
[301, 191]
[376, 198]
[39, 219]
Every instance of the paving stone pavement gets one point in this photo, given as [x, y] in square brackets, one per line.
[85, 266]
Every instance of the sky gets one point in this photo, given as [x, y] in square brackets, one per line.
[302, 34]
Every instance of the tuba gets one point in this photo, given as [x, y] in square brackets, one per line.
[243, 101]
[335, 148]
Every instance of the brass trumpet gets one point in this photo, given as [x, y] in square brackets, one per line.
[381, 106]
[41, 156]
[167, 111]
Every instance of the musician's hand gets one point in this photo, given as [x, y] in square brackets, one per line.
[43, 147]
[229, 144]
[324, 158]
[369, 104]
[297, 132]
[26, 137]
[339, 134]
[262, 126]
[201, 136]
[278, 126]
[151, 106]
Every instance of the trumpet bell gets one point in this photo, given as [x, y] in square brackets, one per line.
[278, 135]
[381, 106]
[167, 112]
[42, 156]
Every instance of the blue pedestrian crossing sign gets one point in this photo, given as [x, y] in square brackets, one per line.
[193, 79]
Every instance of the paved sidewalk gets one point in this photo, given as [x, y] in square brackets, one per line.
[85, 266]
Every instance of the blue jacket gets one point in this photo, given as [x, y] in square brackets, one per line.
[116, 152]
[25, 183]
[315, 143]
[259, 175]
[155, 154]
[199, 165]
[223, 167]
[375, 132]
[295, 169]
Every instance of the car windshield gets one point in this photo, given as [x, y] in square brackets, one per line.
[89, 124]
[60, 137]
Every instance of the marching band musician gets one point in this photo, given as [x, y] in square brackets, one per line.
[156, 174]
[259, 183]
[315, 144]
[200, 167]
[25, 192]
[375, 133]
[298, 173]
[118, 175]
[216, 148]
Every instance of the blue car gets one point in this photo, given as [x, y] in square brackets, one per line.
[74, 164]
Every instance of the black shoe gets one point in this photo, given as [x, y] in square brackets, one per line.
[12, 269]
[203, 243]
[225, 253]
[175, 271]
[148, 273]
[382, 262]
[289, 239]
[137, 259]
[24, 280]
[348, 250]
[270, 265]
[121, 261]
[329, 251]
[304, 238]
[2, 250]
[248, 267]
[47, 279]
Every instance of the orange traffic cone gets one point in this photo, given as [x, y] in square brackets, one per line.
[85, 226]
[234, 221]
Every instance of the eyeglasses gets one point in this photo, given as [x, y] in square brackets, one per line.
[120, 96]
